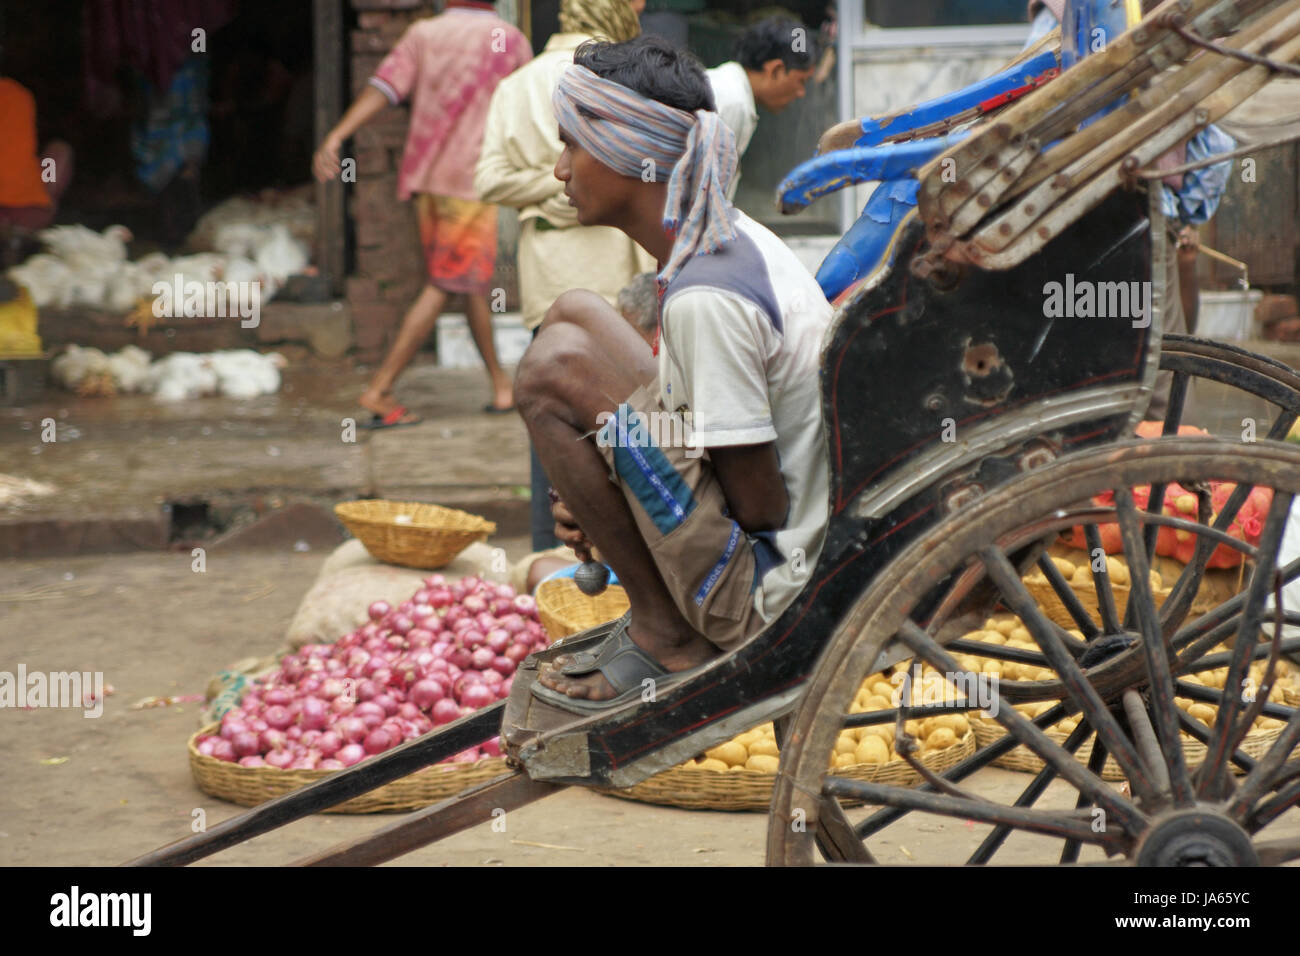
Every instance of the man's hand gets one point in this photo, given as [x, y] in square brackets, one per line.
[325, 161]
[567, 530]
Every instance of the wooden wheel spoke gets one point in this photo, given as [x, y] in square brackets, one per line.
[1203, 733]
[1029, 796]
[1260, 779]
[1101, 581]
[1067, 597]
[1027, 733]
[976, 761]
[1185, 588]
[1209, 695]
[1281, 426]
[835, 837]
[1159, 675]
[1071, 675]
[1209, 662]
[998, 651]
[1274, 807]
[1222, 620]
[1215, 770]
[1096, 761]
[1070, 825]
[918, 712]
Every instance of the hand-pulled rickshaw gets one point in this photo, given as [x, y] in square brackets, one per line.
[969, 428]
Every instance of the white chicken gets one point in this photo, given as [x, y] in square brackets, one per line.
[79, 246]
[46, 277]
[129, 368]
[244, 373]
[76, 365]
[181, 376]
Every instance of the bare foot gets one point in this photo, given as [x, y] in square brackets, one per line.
[671, 653]
[503, 397]
[381, 403]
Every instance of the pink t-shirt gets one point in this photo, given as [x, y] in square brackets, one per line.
[448, 66]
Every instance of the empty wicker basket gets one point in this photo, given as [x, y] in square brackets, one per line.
[565, 610]
[412, 534]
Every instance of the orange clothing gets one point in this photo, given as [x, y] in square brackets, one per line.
[20, 168]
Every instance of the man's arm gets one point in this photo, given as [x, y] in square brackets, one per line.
[325, 163]
[509, 172]
[750, 476]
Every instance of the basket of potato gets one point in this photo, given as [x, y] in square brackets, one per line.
[739, 774]
[1216, 586]
[1008, 630]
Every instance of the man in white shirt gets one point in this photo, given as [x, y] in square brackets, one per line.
[698, 469]
[774, 59]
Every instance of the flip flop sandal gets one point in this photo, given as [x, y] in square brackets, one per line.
[626, 667]
[584, 661]
[493, 410]
[392, 420]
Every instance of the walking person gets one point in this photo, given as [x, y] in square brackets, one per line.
[448, 67]
[517, 168]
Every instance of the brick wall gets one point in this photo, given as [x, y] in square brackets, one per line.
[388, 269]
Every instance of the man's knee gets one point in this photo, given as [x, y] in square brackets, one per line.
[557, 359]
[575, 307]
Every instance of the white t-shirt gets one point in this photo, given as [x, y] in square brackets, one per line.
[740, 349]
[734, 98]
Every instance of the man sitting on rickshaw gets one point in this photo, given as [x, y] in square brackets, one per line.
[698, 468]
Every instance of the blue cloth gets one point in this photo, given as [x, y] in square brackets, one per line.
[1202, 190]
[175, 131]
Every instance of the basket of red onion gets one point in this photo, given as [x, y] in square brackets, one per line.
[448, 651]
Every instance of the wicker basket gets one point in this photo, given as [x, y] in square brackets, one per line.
[564, 610]
[1291, 694]
[431, 538]
[697, 788]
[250, 786]
[987, 731]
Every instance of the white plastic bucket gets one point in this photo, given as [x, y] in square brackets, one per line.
[1228, 316]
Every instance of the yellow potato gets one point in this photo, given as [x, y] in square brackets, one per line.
[1020, 634]
[871, 750]
[993, 637]
[749, 736]
[1182, 703]
[1065, 567]
[1005, 627]
[768, 730]
[957, 723]
[912, 727]
[1202, 712]
[763, 748]
[1186, 504]
[1010, 670]
[876, 702]
[1157, 582]
[928, 726]
[1117, 570]
[844, 760]
[1082, 577]
[1192, 679]
[996, 668]
[940, 739]
[845, 744]
[763, 763]
[882, 688]
[736, 766]
[731, 753]
[884, 731]
[710, 764]
[1268, 723]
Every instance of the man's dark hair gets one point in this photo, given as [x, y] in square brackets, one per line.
[776, 38]
[650, 66]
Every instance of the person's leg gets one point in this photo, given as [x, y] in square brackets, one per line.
[479, 317]
[585, 360]
[418, 322]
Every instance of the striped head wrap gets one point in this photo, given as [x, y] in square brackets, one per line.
[611, 19]
[645, 139]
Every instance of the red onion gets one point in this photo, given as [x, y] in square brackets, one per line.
[352, 729]
[378, 609]
[421, 596]
[477, 695]
[493, 678]
[440, 598]
[305, 762]
[426, 693]
[205, 745]
[315, 713]
[377, 741]
[277, 696]
[292, 668]
[474, 605]
[293, 732]
[382, 677]
[462, 625]
[388, 704]
[525, 605]
[435, 580]
[481, 659]
[518, 651]
[498, 639]
[372, 721]
[252, 760]
[329, 743]
[329, 688]
[407, 710]
[279, 758]
[350, 754]
[460, 656]
[501, 607]
[397, 643]
[420, 637]
[357, 660]
[471, 583]
[272, 740]
[466, 756]
[342, 705]
[309, 738]
[505, 666]
[222, 750]
[492, 748]
[445, 711]
[257, 725]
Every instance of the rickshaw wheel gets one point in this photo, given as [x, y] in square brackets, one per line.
[1122, 678]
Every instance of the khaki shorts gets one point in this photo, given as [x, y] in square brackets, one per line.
[710, 565]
